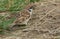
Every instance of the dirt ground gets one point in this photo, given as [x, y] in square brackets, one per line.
[44, 24]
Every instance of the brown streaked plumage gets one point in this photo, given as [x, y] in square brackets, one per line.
[24, 15]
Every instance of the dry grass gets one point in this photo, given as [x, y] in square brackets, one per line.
[45, 23]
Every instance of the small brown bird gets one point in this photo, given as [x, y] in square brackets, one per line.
[25, 15]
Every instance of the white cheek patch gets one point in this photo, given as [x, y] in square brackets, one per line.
[30, 11]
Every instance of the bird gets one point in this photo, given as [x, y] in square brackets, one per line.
[22, 17]
[25, 15]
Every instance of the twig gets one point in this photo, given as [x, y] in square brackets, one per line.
[47, 14]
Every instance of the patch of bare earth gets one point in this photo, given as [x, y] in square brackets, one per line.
[45, 23]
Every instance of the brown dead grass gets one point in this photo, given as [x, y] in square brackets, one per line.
[45, 23]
